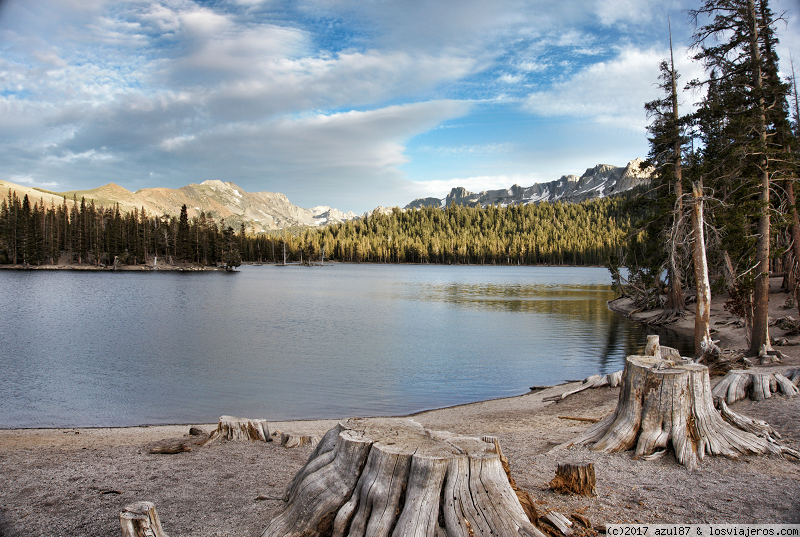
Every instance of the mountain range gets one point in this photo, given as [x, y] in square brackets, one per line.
[598, 182]
[267, 211]
[259, 211]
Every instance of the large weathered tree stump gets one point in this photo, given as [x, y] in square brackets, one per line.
[662, 404]
[140, 519]
[240, 429]
[373, 477]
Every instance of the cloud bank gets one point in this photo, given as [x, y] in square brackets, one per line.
[334, 102]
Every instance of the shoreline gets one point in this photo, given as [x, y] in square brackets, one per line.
[91, 474]
[76, 481]
[50, 436]
[120, 268]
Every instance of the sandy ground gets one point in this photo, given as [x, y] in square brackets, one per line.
[76, 481]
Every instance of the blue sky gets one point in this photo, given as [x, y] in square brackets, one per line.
[347, 103]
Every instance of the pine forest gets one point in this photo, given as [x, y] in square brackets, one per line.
[554, 234]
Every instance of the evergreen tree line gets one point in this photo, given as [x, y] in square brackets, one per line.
[83, 233]
[588, 233]
[547, 233]
[722, 214]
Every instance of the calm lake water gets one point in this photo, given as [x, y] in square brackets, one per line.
[85, 349]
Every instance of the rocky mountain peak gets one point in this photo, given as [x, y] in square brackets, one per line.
[597, 182]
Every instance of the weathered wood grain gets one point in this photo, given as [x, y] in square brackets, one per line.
[390, 476]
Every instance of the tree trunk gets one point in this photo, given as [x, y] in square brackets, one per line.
[702, 317]
[380, 476]
[795, 234]
[675, 301]
[761, 294]
[662, 404]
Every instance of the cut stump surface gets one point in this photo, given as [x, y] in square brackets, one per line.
[382, 476]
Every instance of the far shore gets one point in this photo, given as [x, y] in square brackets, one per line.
[111, 268]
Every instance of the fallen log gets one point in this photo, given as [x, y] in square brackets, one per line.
[611, 380]
[373, 476]
[170, 446]
[663, 404]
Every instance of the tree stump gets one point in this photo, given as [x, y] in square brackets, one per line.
[140, 519]
[739, 384]
[662, 404]
[382, 475]
[655, 349]
[575, 478]
[241, 429]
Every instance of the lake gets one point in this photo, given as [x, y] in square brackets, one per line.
[97, 349]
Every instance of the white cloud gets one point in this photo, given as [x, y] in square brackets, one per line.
[469, 150]
[612, 92]
[371, 140]
[31, 181]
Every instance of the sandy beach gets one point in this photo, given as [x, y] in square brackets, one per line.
[76, 481]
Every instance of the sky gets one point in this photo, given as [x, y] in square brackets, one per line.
[352, 104]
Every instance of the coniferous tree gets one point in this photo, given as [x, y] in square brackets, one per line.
[666, 142]
[731, 45]
[183, 245]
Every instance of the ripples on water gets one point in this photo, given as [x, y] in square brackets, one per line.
[130, 348]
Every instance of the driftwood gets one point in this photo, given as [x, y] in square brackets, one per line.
[197, 438]
[241, 429]
[373, 476]
[575, 478]
[757, 385]
[560, 522]
[663, 404]
[140, 519]
[611, 380]
[578, 418]
[292, 440]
